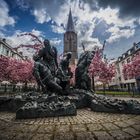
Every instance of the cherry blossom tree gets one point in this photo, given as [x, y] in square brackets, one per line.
[100, 69]
[15, 71]
[132, 69]
[20, 71]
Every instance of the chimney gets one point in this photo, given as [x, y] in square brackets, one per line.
[21, 53]
[134, 44]
[26, 57]
[15, 49]
[4, 40]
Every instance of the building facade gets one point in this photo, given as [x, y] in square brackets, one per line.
[118, 81]
[70, 40]
[7, 50]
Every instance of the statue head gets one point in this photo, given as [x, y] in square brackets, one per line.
[68, 55]
[46, 42]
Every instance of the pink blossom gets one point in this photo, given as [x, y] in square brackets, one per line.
[15, 70]
[132, 69]
[98, 68]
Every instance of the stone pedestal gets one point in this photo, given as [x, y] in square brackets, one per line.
[34, 105]
[49, 107]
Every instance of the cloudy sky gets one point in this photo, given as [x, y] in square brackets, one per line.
[116, 21]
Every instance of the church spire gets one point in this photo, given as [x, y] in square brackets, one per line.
[70, 25]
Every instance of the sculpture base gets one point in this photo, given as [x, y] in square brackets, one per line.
[102, 103]
[51, 106]
[34, 105]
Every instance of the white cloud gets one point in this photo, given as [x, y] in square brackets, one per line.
[85, 20]
[5, 19]
[110, 16]
[58, 13]
[41, 15]
[57, 29]
[117, 33]
[15, 40]
[37, 33]
[85, 17]
[55, 41]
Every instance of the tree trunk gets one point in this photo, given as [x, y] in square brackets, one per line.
[38, 88]
[93, 83]
[14, 87]
[104, 88]
[25, 86]
[5, 88]
[133, 87]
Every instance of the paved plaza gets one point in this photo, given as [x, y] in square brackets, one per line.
[87, 125]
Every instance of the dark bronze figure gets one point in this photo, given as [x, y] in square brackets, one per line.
[46, 66]
[82, 78]
[44, 76]
[49, 56]
[64, 73]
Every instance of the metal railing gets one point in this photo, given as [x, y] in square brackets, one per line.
[12, 88]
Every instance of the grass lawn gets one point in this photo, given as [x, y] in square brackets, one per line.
[113, 93]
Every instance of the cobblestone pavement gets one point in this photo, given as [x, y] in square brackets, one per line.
[87, 125]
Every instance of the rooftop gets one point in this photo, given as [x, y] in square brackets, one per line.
[132, 50]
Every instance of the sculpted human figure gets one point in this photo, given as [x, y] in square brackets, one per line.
[36, 72]
[82, 78]
[44, 76]
[64, 73]
[45, 68]
[49, 56]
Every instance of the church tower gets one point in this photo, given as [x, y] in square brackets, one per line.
[70, 40]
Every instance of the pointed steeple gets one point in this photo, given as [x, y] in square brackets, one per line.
[70, 25]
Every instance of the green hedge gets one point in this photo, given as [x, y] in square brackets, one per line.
[113, 93]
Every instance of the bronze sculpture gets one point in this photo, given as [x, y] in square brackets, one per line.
[59, 100]
[48, 74]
